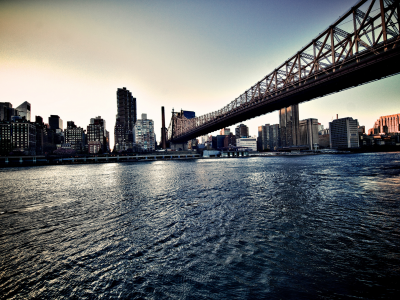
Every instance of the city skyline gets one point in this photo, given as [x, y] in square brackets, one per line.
[68, 59]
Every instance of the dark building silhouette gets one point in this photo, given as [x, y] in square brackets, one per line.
[75, 136]
[7, 111]
[230, 140]
[220, 141]
[241, 131]
[289, 125]
[275, 137]
[308, 133]
[125, 121]
[344, 133]
[263, 139]
[19, 136]
[97, 135]
[55, 122]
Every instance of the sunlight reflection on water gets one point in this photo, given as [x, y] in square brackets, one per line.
[268, 227]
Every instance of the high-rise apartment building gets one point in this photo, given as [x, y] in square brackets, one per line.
[308, 133]
[344, 133]
[125, 120]
[144, 134]
[24, 110]
[97, 135]
[241, 131]
[289, 125]
[75, 136]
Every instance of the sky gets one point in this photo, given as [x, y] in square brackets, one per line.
[68, 58]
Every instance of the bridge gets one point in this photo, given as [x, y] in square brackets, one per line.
[360, 47]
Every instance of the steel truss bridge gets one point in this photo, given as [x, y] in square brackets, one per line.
[362, 46]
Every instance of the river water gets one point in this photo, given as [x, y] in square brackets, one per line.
[301, 227]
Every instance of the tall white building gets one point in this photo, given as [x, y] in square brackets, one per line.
[144, 134]
[344, 133]
[203, 139]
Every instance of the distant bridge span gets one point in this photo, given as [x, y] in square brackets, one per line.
[362, 46]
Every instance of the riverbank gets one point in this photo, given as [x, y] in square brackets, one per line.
[15, 161]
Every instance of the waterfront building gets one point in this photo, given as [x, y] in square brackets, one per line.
[75, 136]
[344, 133]
[308, 133]
[55, 122]
[96, 132]
[192, 144]
[263, 140]
[125, 120]
[275, 137]
[220, 141]
[212, 142]
[386, 125]
[144, 134]
[250, 143]
[5, 137]
[18, 136]
[289, 125]
[94, 147]
[24, 110]
[241, 131]
[323, 141]
[230, 140]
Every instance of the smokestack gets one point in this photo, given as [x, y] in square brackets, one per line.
[163, 130]
[337, 116]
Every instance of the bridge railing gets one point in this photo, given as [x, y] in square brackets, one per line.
[367, 28]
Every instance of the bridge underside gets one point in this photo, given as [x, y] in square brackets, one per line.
[361, 69]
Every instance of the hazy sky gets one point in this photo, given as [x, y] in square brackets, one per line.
[69, 57]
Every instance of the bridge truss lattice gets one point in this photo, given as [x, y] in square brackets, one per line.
[369, 27]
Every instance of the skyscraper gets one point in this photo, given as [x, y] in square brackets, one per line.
[308, 133]
[344, 133]
[24, 110]
[275, 137]
[125, 120]
[289, 125]
[263, 137]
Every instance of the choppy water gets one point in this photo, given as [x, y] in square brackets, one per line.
[268, 228]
